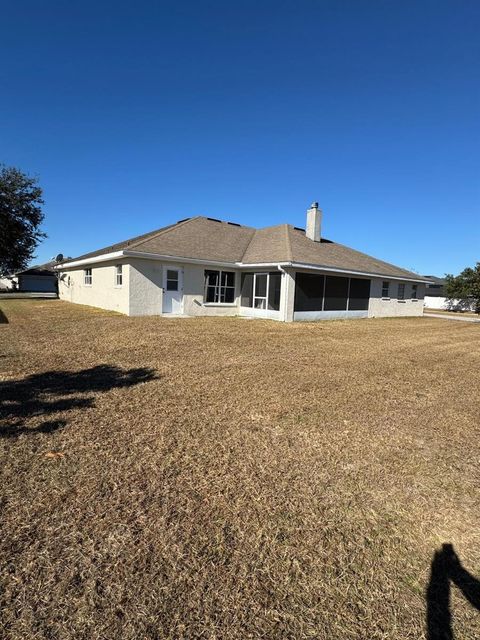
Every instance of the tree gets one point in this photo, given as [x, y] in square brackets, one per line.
[20, 218]
[465, 286]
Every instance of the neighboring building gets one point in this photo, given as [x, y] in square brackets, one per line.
[436, 287]
[205, 267]
[435, 297]
[40, 279]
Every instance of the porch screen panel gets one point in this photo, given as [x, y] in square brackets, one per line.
[274, 290]
[308, 292]
[359, 294]
[247, 290]
[336, 294]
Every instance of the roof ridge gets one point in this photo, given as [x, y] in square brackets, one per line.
[255, 231]
[155, 234]
[273, 226]
[288, 242]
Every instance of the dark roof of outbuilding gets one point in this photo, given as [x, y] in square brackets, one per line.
[213, 240]
[436, 280]
[46, 269]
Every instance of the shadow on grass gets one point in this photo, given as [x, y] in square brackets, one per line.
[445, 570]
[3, 318]
[58, 391]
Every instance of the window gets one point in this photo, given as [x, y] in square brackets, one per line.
[172, 280]
[414, 291]
[336, 294]
[401, 291]
[385, 289]
[118, 275]
[219, 286]
[359, 294]
[87, 277]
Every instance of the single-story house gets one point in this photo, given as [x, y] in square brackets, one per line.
[207, 267]
[39, 279]
[435, 288]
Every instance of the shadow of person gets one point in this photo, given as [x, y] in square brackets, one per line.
[59, 391]
[446, 569]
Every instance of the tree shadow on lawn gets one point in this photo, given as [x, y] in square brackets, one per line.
[23, 399]
[446, 569]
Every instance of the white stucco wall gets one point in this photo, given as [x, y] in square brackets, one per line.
[287, 295]
[445, 304]
[102, 293]
[193, 299]
[145, 283]
[142, 293]
[142, 290]
[392, 307]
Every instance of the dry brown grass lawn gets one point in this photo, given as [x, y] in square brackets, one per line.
[223, 478]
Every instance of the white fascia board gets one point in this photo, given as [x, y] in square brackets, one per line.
[263, 265]
[156, 256]
[78, 263]
[316, 267]
[240, 265]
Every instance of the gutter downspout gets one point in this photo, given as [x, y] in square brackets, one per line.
[285, 297]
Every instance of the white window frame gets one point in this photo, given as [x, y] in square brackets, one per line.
[219, 289]
[119, 275]
[264, 298]
[386, 288]
[87, 277]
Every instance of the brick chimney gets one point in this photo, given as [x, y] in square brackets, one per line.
[314, 222]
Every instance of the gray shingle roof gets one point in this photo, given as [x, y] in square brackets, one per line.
[208, 239]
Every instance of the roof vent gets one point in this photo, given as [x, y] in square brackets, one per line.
[214, 219]
[234, 224]
[182, 220]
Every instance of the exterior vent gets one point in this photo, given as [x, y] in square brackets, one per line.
[234, 224]
[182, 220]
[214, 219]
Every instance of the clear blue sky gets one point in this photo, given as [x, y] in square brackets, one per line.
[137, 114]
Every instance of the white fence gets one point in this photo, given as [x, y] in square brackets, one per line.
[447, 304]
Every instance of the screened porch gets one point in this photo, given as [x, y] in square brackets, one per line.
[260, 294]
[320, 296]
